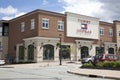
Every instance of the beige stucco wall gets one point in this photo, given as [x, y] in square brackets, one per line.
[4, 50]
[117, 34]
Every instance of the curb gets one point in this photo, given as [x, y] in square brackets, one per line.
[93, 76]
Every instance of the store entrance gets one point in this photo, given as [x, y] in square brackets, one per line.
[84, 52]
[111, 50]
[48, 52]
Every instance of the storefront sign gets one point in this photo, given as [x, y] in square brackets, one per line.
[82, 26]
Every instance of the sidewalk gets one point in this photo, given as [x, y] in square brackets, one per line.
[109, 74]
[40, 64]
[96, 73]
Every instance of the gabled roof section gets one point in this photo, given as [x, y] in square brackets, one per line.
[37, 11]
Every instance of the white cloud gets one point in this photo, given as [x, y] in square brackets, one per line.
[45, 2]
[11, 17]
[8, 10]
[85, 7]
[7, 17]
[19, 14]
[93, 8]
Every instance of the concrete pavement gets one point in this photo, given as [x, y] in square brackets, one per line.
[109, 74]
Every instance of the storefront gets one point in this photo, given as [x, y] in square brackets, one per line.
[87, 30]
[38, 49]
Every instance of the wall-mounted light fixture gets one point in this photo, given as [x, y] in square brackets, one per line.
[57, 45]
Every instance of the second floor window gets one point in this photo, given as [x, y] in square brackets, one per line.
[32, 24]
[45, 23]
[60, 25]
[101, 31]
[110, 32]
[22, 27]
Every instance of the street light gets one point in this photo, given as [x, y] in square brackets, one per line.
[60, 52]
[100, 48]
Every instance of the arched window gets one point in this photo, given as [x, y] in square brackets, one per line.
[30, 52]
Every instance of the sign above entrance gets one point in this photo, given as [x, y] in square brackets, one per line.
[82, 26]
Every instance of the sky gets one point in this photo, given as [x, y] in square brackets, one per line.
[106, 10]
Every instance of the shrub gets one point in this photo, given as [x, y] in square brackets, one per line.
[87, 65]
[117, 64]
[105, 64]
[99, 64]
[108, 64]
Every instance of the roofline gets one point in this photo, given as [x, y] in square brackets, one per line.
[38, 10]
[4, 21]
[105, 23]
[82, 15]
[116, 21]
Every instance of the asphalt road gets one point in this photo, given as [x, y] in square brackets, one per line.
[41, 73]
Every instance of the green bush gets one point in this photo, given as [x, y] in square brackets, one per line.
[99, 64]
[109, 64]
[117, 64]
[105, 64]
[87, 65]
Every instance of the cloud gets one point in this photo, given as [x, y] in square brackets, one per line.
[45, 2]
[7, 17]
[107, 10]
[11, 17]
[19, 14]
[85, 7]
[8, 10]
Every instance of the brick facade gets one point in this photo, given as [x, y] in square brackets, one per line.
[40, 36]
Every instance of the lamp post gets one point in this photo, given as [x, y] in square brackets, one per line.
[100, 48]
[60, 52]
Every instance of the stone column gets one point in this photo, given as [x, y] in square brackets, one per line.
[56, 54]
[17, 53]
[78, 54]
[73, 52]
[39, 52]
[26, 53]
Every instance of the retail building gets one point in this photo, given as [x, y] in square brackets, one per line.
[3, 39]
[36, 36]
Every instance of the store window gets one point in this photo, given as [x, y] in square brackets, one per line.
[111, 32]
[0, 31]
[101, 31]
[32, 24]
[60, 25]
[22, 27]
[119, 33]
[45, 23]
[1, 48]
[5, 31]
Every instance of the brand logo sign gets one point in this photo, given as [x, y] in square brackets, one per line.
[84, 24]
